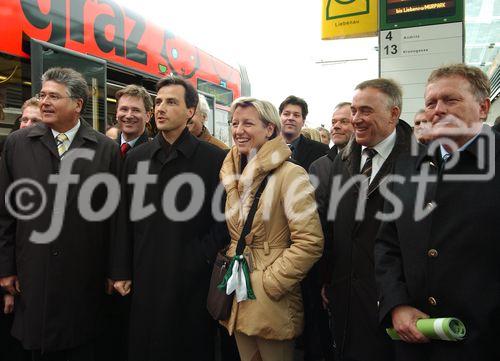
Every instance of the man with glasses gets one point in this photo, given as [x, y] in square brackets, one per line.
[59, 284]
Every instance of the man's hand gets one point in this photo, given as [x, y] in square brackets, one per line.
[404, 321]
[324, 298]
[123, 287]
[10, 284]
[8, 304]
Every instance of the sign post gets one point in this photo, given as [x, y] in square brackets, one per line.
[415, 38]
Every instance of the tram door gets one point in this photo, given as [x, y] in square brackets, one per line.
[45, 56]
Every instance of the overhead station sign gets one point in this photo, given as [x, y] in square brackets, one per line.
[396, 14]
[343, 19]
[416, 37]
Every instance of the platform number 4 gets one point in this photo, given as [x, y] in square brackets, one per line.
[390, 49]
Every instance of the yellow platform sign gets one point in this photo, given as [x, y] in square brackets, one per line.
[349, 19]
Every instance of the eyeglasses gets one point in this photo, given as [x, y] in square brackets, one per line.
[53, 97]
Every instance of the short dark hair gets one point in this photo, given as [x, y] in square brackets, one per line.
[74, 81]
[190, 93]
[341, 105]
[136, 91]
[292, 99]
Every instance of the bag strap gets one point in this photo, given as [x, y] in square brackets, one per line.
[248, 223]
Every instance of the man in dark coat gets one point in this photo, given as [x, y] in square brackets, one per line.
[439, 257]
[293, 112]
[379, 138]
[133, 111]
[164, 254]
[55, 260]
[341, 134]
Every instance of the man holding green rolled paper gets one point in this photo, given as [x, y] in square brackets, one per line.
[438, 258]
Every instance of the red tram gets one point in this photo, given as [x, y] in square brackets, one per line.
[112, 46]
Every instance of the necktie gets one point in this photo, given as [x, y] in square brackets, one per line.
[124, 148]
[292, 148]
[367, 167]
[61, 148]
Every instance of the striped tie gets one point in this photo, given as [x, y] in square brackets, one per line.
[61, 148]
[367, 167]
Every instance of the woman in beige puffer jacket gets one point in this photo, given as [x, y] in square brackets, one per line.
[285, 238]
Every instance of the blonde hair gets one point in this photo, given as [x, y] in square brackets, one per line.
[311, 133]
[479, 82]
[266, 110]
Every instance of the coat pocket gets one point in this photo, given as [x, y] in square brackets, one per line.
[268, 318]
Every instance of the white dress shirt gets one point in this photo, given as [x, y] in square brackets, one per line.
[383, 148]
[70, 134]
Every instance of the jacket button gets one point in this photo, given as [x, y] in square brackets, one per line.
[432, 253]
[429, 206]
[432, 301]
[55, 253]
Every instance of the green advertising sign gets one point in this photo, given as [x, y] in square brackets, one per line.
[398, 14]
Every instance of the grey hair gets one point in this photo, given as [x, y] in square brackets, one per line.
[266, 110]
[203, 107]
[387, 86]
[76, 85]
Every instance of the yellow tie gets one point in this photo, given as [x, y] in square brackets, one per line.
[61, 148]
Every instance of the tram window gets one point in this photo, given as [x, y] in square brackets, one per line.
[222, 126]
[15, 88]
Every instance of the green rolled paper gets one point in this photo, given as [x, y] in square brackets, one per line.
[446, 329]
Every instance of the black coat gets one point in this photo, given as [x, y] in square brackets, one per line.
[349, 255]
[170, 261]
[321, 168]
[308, 151]
[62, 283]
[451, 255]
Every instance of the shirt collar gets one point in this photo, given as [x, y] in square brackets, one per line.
[445, 153]
[130, 142]
[70, 133]
[384, 148]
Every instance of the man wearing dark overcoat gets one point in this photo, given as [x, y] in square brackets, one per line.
[379, 138]
[293, 112]
[439, 256]
[54, 258]
[164, 253]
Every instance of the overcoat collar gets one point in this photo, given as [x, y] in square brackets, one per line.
[269, 157]
[486, 134]
[185, 144]
[42, 131]
[351, 155]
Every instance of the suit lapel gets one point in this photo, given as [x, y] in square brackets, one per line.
[49, 142]
[402, 145]
[84, 138]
